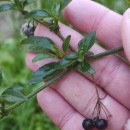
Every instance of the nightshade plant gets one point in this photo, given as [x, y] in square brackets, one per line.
[51, 72]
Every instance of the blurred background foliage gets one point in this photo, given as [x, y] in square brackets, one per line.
[28, 116]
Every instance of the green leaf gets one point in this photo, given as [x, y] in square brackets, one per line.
[11, 95]
[57, 51]
[63, 63]
[43, 56]
[43, 73]
[58, 8]
[86, 68]
[27, 2]
[17, 2]
[66, 42]
[1, 78]
[6, 7]
[89, 53]
[81, 55]
[72, 55]
[37, 14]
[87, 42]
[40, 44]
[16, 88]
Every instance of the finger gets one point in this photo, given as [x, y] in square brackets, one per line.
[111, 74]
[87, 15]
[59, 111]
[126, 32]
[64, 116]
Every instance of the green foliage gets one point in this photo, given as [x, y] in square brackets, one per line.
[6, 7]
[43, 73]
[63, 63]
[27, 2]
[72, 55]
[117, 5]
[41, 14]
[40, 44]
[66, 42]
[42, 56]
[86, 68]
[13, 95]
[86, 43]
[1, 78]
[89, 53]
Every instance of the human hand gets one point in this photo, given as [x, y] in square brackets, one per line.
[73, 98]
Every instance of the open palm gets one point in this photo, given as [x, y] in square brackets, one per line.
[73, 98]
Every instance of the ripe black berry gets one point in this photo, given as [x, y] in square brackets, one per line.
[101, 124]
[88, 124]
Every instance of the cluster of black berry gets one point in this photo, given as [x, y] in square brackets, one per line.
[100, 124]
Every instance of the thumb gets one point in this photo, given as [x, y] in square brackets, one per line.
[125, 32]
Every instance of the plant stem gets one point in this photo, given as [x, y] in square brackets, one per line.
[11, 108]
[40, 22]
[106, 53]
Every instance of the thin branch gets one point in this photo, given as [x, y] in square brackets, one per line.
[106, 53]
[11, 108]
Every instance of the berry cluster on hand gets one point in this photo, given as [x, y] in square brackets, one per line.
[100, 124]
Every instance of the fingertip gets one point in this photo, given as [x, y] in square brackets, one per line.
[125, 32]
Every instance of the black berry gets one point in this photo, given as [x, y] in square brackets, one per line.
[101, 124]
[88, 124]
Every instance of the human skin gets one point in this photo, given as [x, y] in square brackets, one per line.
[73, 98]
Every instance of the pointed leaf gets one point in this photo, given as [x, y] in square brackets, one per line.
[27, 2]
[86, 68]
[63, 63]
[87, 42]
[37, 14]
[89, 53]
[57, 51]
[17, 88]
[11, 95]
[1, 78]
[66, 42]
[43, 56]
[58, 8]
[42, 73]
[52, 74]
[6, 7]
[40, 44]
